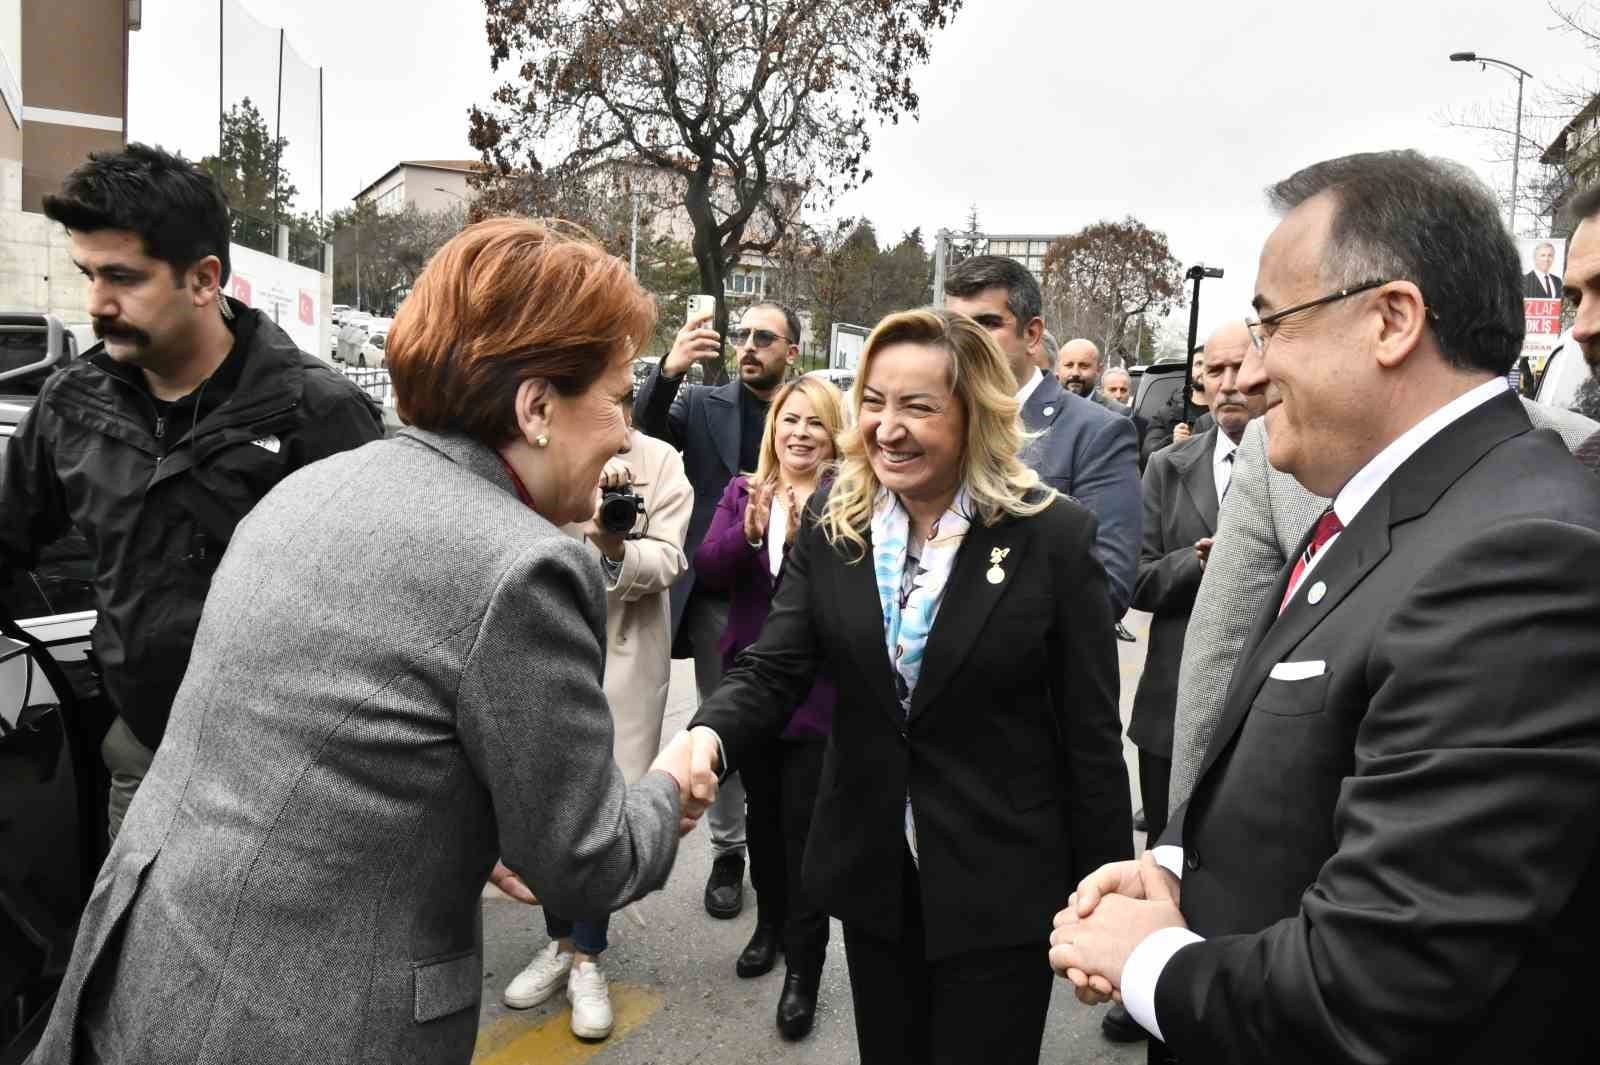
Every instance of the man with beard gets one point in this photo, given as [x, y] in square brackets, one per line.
[1583, 290]
[157, 442]
[1078, 367]
[718, 429]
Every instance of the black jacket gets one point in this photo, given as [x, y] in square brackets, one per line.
[1012, 751]
[157, 496]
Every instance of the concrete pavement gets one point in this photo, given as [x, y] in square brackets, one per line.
[673, 987]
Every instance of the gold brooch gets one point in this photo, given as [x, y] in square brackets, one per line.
[996, 556]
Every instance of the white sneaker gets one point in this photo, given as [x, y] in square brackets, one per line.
[591, 1001]
[541, 979]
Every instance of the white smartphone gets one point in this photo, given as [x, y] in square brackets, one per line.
[700, 306]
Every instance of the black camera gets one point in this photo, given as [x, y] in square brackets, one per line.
[619, 509]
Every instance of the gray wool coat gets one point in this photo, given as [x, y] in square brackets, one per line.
[1263, 520]
[397, 678]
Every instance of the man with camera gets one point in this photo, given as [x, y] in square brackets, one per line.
[718, 429]
[642, 509]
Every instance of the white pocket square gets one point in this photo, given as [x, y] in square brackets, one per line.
[1299, 670]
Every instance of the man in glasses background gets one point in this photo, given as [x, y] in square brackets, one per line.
[718, 429]
[1388, 844]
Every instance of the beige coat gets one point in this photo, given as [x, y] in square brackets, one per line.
[638, 613]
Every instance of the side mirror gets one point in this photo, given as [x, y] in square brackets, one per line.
[32, 345]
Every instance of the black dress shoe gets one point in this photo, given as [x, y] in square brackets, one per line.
[761, 953]
[1119, 1026]
[797, 1006]
[725, 888]
[1139, 822]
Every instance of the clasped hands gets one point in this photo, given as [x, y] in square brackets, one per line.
[1110, 914]
[691, 759]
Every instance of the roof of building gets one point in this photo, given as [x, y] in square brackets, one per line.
[1556, 153]
[460, 166]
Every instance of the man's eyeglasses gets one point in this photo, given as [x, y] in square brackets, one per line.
[1261, 329]
[764, 337]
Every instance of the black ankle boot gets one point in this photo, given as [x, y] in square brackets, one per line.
[761, 953]
[797, 1006]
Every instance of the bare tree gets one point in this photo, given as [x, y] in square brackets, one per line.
[752, 107]
[1098, 280]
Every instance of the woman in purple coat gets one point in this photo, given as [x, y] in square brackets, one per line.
[743, 555]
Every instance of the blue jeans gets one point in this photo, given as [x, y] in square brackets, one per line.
[589, 937]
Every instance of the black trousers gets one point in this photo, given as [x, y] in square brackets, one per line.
[780, 790]
[1155, 775]
[985, 1007]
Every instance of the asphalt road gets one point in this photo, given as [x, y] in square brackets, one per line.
[673, 986]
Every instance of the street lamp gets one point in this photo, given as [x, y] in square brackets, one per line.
[1516, 150]
[447, 192]
[1196, 273]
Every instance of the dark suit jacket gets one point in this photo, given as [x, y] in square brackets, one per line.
[1531, 289]
[1396, 860]
[702, 421]
[1180, 507]
[1011, 753]
[1087, 452]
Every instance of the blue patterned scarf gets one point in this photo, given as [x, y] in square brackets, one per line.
[911, 600]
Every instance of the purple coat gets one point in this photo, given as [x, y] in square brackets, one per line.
[725, 561]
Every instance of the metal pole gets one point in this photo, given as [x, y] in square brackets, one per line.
[277, 135]
[633, 247]
[1516, 157]
[322, 155]
[1194, 337]
[941, 256]
[222, 106]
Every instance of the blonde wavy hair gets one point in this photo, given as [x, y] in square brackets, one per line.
[827, 403]
[997, 481]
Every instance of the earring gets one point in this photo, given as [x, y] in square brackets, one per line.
[543, 440]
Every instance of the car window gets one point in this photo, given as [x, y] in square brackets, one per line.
[378, 340]
[22, 347]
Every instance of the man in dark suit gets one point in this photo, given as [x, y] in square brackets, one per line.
[1085, 451]
[1539, 283]
[718, 429]
[1390, 850]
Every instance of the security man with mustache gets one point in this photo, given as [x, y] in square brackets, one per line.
[158, 441]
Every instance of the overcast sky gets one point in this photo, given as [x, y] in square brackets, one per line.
[1045, 115]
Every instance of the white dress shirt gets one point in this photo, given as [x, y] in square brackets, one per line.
[777, 532]
[1222, 463]
[1028, 387]
[1142, 972]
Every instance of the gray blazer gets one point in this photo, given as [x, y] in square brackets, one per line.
[397, 677]
[1263, 520]
[1087, 452]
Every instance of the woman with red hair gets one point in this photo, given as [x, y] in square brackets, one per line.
[396, 679]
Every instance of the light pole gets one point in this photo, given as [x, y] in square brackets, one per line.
[1197, 273]
[1516, 150]
[447, 192]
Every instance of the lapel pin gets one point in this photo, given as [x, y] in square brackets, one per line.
[996, 574]
[1049, 411]
[1318, 590]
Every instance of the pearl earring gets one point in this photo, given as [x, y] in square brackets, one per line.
[542, 440]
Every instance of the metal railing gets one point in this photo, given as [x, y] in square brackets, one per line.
[374, 382]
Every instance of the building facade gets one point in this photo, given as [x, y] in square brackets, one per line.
[427, 184]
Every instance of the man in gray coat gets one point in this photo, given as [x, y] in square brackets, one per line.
[1265, 517]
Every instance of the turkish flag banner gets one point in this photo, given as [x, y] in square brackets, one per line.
[241, 290]
[308, 308]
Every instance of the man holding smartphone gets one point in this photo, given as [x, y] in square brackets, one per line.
[718, 429]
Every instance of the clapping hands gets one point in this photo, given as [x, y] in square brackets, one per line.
[691, 759]
[1110, 914]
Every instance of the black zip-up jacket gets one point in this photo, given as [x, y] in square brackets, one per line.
[157, 493]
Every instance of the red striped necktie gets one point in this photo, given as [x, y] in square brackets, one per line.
[1328, 526]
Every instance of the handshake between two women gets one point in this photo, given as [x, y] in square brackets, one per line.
[691, 759]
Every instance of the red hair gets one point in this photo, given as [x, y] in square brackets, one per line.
[506, 300]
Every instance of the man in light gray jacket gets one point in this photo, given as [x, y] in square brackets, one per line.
[1263, 520]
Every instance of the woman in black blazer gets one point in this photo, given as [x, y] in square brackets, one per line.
[974, 773]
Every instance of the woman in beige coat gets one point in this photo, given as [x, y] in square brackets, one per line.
[640, 570]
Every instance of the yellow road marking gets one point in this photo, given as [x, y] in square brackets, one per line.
[518, 1039]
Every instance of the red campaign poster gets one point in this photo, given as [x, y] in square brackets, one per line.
[1543, 317]
[308, 308]
[241, 290]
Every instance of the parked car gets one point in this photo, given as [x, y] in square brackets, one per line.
[1156, 385]
[371, 354]
[645, 363]
[1564, 373]
[839, 377]
[52, 833]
